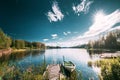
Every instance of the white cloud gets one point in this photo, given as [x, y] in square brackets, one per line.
[66, 33]
[82, 7]
[106, 23]
[45, 40]
[115, 28]
[54, 36]
[56, 14]
[69, 32]
[98, 27]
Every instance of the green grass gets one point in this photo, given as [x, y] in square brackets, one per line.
[14, 73]
[110, 68]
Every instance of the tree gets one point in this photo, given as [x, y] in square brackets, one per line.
[109, 41]
[28, 44]
[38, 45]
[19, 44]
[116, 70]
[106, 73]
[5, 41]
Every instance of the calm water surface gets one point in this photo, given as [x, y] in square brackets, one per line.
[79, 57]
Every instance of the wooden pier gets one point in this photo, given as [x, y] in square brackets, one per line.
[53, 72]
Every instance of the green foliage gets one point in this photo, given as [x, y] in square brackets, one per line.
[38, 45]
[28, 44]
[14, 73]
[110, 41]
[80, 77]
[115, 68]
[110, 69]
[73, 75]
[20, 44]
[106, 73]
[90, 63]
[5, 41]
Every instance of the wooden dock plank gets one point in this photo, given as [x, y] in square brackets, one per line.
[53, 71]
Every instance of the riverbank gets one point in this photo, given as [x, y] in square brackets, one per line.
[21, 50]
[5, 51]
[107, 69]
[95, 50]
[10, 50]
[14, 73]
[106, 64]
[28, 58]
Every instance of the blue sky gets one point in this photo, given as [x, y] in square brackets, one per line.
[59, 22]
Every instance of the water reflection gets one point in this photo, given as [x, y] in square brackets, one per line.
[79, 57]
[16, 56]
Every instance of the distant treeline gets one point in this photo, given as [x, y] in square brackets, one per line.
[53, 47]
[22, 44]
[79, 46]
[109, 41]
[7, 42]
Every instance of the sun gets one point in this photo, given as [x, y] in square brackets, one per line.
[99, 16]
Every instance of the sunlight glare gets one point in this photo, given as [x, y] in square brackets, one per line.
[99, 16]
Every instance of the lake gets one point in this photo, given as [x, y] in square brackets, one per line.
[79, 57]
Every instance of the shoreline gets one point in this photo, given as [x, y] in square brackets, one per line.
[103, 50]
[10, 51]
[5, 51]
[21, 50]
[97, 65]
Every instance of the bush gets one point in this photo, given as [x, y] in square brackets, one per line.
[90, 63]
[5, 41]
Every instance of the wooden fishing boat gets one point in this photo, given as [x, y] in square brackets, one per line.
[69, 66]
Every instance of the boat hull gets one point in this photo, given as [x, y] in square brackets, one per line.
[69, 66]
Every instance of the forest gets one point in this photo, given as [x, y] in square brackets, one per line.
[109, 41]
[8, 42]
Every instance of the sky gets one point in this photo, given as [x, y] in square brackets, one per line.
[59, 22]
